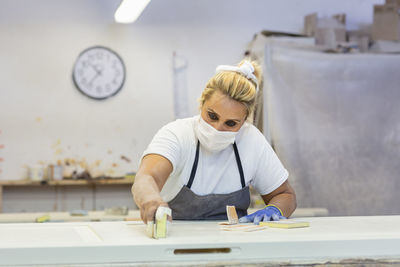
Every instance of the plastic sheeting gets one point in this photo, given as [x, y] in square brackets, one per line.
[334, 121]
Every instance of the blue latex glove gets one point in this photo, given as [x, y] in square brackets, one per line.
[269, 213]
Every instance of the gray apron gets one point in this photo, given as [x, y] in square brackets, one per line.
[189, 206]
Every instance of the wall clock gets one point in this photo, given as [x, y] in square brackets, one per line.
[99, 72]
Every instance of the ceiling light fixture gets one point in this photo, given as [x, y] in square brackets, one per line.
[129, 10]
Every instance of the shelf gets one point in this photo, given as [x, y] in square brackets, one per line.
[67, 182]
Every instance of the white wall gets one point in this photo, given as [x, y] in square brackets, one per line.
[44, 118]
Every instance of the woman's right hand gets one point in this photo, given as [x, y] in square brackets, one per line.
[149, 180]
[148, 210]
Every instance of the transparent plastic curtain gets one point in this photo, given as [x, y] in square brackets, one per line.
[334, 121]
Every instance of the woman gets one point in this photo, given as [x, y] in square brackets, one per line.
[198, 165]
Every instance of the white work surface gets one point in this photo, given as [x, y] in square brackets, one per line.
[327, 239]
[132, 215]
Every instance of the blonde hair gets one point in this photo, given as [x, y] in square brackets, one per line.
[234, 85]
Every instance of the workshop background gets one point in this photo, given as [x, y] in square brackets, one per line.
[169, 53]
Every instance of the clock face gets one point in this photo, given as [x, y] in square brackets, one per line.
[99, 72]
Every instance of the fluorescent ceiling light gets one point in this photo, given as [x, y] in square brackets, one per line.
[129, 10]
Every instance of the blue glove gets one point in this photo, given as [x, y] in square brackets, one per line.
[269, 213]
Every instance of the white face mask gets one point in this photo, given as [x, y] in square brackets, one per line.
[212, 139]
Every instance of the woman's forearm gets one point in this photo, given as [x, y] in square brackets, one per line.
[145, 190]
[283, 197]
[286, 202]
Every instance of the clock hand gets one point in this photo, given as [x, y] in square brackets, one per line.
[93, 67]
[98, 71]
[94, 77]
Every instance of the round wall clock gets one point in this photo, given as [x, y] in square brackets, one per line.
[99, 72]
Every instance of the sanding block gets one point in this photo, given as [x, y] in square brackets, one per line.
[159, 227]
[43, 218]
[232, 215]
[286, 224]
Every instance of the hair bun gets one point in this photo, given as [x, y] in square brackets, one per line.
[257, 72]
[245, 68]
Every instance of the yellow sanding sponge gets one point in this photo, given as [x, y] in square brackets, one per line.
[43, 218]
[159, 229]
[286, 224]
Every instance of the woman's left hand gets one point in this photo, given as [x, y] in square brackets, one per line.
[269, 213]
[284, 200]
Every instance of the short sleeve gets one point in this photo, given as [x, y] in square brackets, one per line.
[270, 173]
[165, 143]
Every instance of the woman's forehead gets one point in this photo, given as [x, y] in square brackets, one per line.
[225, 106]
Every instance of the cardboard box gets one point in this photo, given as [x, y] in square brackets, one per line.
[310, 24]
[393, 2]
[386, 25]
[329, 33]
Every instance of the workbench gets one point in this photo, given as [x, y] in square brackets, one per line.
[101, 215]
[361, 240]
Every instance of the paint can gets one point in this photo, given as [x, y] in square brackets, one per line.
[55, 172]
[36, 172]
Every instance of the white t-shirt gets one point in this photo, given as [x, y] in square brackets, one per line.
[218, 172]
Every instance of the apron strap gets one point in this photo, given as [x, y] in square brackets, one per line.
[194, 168]
[196, 161]
[239, 164]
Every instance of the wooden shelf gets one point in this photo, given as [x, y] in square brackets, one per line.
[65, 182]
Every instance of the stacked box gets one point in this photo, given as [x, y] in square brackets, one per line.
[386, 24]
